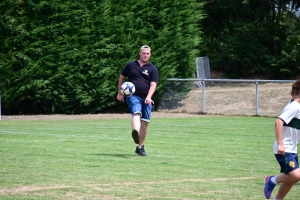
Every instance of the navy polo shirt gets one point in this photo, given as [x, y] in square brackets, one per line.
[140, 76]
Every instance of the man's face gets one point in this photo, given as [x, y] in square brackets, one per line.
[145, 55]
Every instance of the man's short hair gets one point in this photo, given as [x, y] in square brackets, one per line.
[145, 47]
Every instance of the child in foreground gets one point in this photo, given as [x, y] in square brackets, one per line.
[287, 132]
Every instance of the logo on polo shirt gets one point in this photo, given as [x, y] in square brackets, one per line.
[146, 72]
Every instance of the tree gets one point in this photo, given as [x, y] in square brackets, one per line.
[248, 38]
[66, 56]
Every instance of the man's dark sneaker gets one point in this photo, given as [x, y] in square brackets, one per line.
[140, 151]
[135, 136]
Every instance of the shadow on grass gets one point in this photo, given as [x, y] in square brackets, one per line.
[115, 155]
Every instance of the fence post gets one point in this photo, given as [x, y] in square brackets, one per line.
[0, 97]
[203, 96]
[257, 98]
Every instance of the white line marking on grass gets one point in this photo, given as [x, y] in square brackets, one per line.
[177, 181]
[79, 135]
[26, 189]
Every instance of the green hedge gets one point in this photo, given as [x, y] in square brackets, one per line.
[66, 56]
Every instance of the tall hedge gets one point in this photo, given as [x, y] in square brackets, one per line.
[66, 56]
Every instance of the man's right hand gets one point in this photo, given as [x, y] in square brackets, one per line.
[120, 97]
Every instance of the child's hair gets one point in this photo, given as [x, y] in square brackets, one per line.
[296, 88]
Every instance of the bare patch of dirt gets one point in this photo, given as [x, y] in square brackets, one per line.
[229, 98]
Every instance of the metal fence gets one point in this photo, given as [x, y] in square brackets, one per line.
[226, 96]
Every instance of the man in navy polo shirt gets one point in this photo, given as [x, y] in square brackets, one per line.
[144, 75]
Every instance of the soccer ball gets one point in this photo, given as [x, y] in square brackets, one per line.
[127, 89]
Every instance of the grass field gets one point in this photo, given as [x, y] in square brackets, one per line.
[209, 157]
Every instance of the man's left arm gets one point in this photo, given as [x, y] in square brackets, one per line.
[151, 91]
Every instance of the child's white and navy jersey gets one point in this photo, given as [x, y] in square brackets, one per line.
[291, 127]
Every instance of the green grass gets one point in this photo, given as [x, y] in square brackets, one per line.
[188, 158]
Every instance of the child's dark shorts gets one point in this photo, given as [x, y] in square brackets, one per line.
[288, 162]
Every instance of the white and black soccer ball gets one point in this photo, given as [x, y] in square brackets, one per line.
[127, 89]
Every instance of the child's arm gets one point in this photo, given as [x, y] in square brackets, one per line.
[278, 134]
